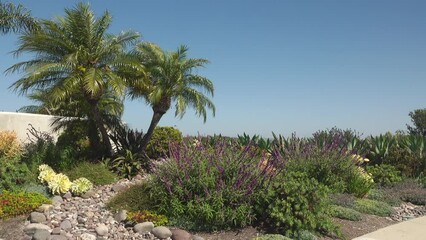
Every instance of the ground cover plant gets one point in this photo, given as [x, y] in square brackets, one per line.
[18, 202]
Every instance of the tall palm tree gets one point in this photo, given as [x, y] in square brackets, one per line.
[15, 18]
[168, 77]
[75, 59]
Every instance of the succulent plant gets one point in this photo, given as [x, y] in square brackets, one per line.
[80, 186]
[60, 183]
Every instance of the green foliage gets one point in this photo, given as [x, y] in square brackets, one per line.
[373, 207]
[387, 195]
[161, 138]
[126, 139]
[13, 173]
[343, 199]
[261, 143]
[75, 137]
[384, 174]
[97, 173]
[379, 147]
[36, 188]
[295, 202]
[135, 198]
[334, 170]
[272, 237]
[418, 118]
[345, 213]
[129, 164]
[210, 187]
[405, 162]
[42, 150]
[359, 182]
[16, 203]
[147, 216]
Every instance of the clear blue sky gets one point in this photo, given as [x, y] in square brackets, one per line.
[282, 66]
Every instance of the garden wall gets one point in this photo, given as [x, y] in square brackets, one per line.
[20, 123]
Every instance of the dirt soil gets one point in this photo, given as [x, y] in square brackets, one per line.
[12, 229]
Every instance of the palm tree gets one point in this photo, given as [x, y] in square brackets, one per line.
[168, 78]
[15, 18]
[75, 59]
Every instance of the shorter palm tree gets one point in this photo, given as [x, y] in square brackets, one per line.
[169, 78]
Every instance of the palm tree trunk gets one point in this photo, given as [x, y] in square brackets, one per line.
[107, 147]
[154, 121]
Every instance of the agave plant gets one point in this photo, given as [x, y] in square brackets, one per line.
[379, 147]
[129, 164]
[127, 139]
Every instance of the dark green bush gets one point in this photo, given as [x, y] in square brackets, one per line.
[373, 207]
[210, 188]
[17, 203]
[345, 213]
[294, 202]
[97, 173]
[75, 137]
[133, 199]
[126, 139]
[13, 174]
[42, 150]
[384, 174]
[161, 138]
[401, 158]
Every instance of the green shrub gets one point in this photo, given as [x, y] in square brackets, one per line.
[404, 161]
[335, 170]
[272, 237]
[133, 199]
[210, 188]
[13, 174]
[295, 202]
[373, 207]
[345, 213]
[97, 173]
[161, 138]
[343, 199]
[147, 216]
[42, 150]
[387, 195]
[384, 174]
[17, 203]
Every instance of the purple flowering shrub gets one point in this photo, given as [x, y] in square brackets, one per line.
[211, 186]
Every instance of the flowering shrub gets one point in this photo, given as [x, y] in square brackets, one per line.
[9, 145]
[16, 203]
[80, 186]
[60, 183]
[211, 187]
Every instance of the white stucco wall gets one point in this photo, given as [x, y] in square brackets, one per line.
[19, 122]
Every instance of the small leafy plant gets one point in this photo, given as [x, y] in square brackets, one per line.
[373, 207]
[147, 216]
[17, 203]
[345, 213]
[384, 174]
[97, 173]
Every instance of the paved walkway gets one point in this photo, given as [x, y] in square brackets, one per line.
[414, 229]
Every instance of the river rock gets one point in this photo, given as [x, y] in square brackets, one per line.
[161, 232]
[31, 228]
[41, 234]
[101, 230]
[179, 234]
[36, 217]
[143, 227]
[66, 225]
[87, 236]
